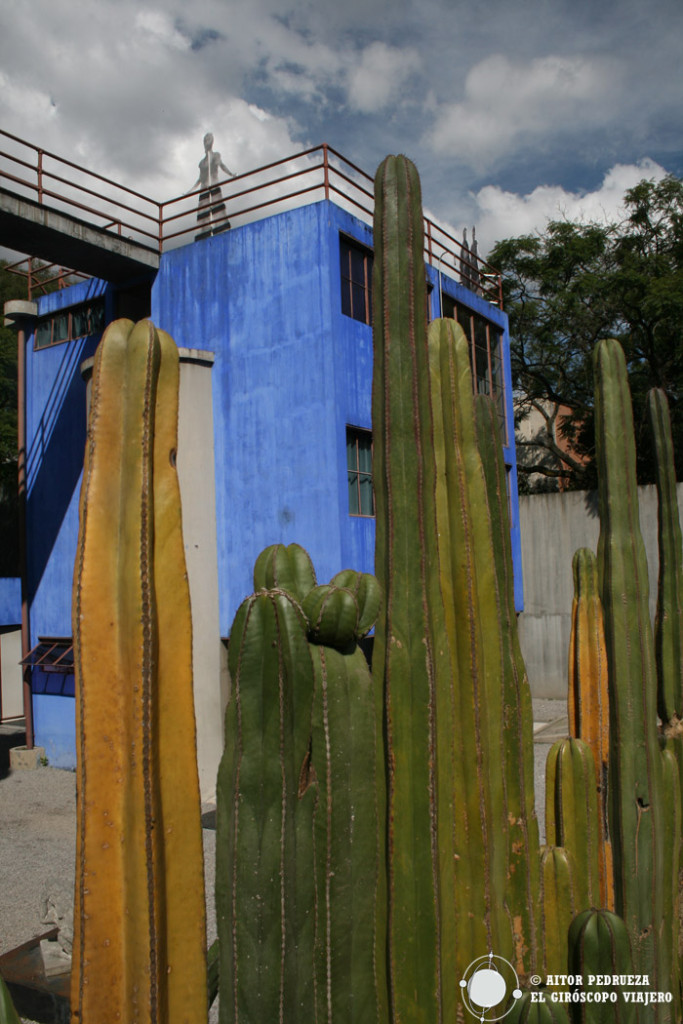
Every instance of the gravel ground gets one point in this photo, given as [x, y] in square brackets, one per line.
[38, 831]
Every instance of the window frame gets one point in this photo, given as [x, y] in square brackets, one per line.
[69, 313]
[347, 246]
[356, 434]
[472, 324]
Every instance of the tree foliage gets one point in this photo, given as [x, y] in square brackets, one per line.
[567, 288]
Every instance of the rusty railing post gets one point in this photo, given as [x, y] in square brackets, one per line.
[326, 171]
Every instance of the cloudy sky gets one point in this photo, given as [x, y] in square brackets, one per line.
[513, 110]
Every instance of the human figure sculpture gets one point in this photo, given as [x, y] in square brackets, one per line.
[469, 262]
[211, 208]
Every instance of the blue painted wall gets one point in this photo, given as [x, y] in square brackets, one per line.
[291, 371]
[10, 600]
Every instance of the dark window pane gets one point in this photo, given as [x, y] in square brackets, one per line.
[366, 496]
[351, 451]
[97, 318]
[61, 328]
[358, 259]
[353, 494]
[358, 300]
[356, 280]
[79, 322]
[359, 476]
[44, 334]
[365, 453]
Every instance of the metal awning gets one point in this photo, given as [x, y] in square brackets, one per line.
[52, 655]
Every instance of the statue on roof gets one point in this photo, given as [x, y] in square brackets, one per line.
[211, 214]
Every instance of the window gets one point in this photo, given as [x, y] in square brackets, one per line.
[356, 280]
[68, 324]
[359, 470]
[485, 340]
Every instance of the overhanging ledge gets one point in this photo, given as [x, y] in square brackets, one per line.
[31, 227]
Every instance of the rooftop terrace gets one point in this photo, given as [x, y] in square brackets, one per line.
[56, 210]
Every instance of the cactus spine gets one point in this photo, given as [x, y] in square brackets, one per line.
[588, 700]
[636, 824]
[139, 931]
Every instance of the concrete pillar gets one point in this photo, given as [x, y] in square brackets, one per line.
[196, 474]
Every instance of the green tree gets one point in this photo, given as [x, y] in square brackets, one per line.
[567, 288]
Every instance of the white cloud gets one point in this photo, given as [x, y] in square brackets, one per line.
[502, 214]
[507, 103]
[377, 80]
[157, 27]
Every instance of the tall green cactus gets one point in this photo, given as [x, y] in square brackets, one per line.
[572, 819]
[486, 790]
[599, 946]
[300, 857]
[266, 796]
[404, 658]
[518, 749]
[669, 618]
[139, 929]
[558, 906]
[637, 814]
[462, 828]
[351, 978]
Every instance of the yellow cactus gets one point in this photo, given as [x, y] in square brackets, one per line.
[588, 700]
[139, 920]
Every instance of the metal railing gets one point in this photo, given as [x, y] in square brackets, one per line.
[40, 276]
[320, 172]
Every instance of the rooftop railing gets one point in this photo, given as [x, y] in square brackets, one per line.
[320, 172]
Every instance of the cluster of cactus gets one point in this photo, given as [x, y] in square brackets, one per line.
[299, 802]
[139, 949]
[613, 794]
[463, 837]
[376, 833]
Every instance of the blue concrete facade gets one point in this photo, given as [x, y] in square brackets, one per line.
[290, 373]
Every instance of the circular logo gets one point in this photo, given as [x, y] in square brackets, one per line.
[490, 987]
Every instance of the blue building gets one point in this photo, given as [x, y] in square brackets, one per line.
[273, 320]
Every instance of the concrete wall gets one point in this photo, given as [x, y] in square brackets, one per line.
[198, 493]
[553, 526]
[11, 681]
